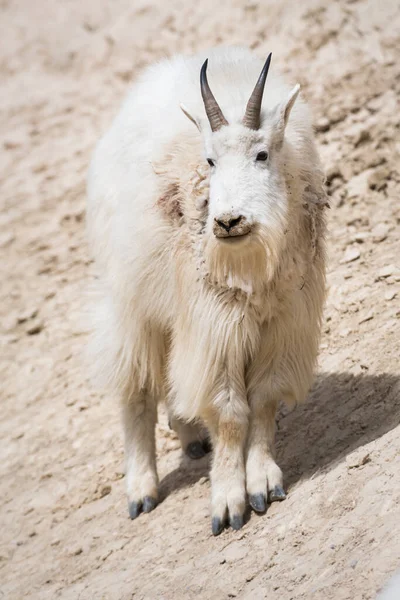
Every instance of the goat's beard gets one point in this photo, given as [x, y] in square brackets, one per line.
[247, 264]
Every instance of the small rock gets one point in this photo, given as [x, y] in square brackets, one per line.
[322, 124]
[353, 462]
[380, 232]
[31, 313]
[377, 180]
[386, 271]
[362, 137]
[35, 328]
[353, 563]
[345, 332]
[390, 294]
[352, 253]
[105, 490]
[358, 185]
[361, 236]
[336, 114]
[375, 161]
[77, 551]
[366, 317]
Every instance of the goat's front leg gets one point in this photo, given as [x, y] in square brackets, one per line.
[139, 419]
[228, 428]
[263, 476]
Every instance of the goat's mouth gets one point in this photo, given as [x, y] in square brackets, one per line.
[233, 238]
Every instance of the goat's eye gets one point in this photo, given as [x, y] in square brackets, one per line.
[262, 156]
[211, 162]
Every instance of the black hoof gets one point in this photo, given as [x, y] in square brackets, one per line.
[195, 450]
[257, 502]
[135, 508]
[216, 525]
[149, 504]
[236, 522]
[277, 494]
[207, 446]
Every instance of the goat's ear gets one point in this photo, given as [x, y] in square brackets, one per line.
[287, 106]
[190, 117]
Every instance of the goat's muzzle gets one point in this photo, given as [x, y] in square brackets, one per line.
[228, 225]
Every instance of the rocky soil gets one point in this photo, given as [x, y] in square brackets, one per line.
[65, 533]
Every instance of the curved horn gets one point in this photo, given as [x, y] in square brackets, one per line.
[251, 117]
[214, 113]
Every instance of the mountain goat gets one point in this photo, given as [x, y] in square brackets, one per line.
[207, 225]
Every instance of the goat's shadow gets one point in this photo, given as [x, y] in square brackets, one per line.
[343, 412]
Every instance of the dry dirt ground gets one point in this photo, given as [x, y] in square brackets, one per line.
[65, 533]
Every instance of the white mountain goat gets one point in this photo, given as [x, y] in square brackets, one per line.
[209, 243]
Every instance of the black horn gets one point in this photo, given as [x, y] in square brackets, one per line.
[253, 110]
[214, 113]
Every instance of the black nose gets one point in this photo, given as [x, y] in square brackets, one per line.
[228, 224]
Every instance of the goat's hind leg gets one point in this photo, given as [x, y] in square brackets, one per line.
[139, 419]
[193, 437]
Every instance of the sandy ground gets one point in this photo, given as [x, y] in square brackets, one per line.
[65, 533]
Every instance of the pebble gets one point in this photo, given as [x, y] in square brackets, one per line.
[322, 124]
[353, 462]
[105, 490]
[380, 232]
[352, 253]
[353, 563]
[35, 328]
[375, 161]
[386, 271]
[31, 313]
[345, 332]
[362, 137]
[361, 236]
[377, 180]
[390, 294]
[336, 114]
[366, 318]
[358, 185]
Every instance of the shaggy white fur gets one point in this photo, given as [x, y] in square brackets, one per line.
[223, 327]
